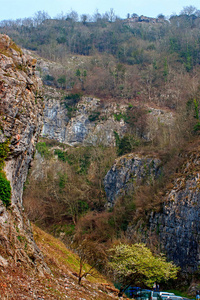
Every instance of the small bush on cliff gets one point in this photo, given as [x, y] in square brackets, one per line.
[62, 155]
[125, 144]
[4, 150]
[94, 116]
[5, 190]
[43, 150]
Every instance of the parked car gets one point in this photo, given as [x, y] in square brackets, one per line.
[174, 297]
[163, 297]
[143, 295]
[160, 295]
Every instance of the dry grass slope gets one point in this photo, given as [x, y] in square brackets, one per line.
[16, 283]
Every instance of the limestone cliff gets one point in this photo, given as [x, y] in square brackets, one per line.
[92, 121]
[175, 229]
[128, 172]
[178, 225]
[87, 122]
[21, 109]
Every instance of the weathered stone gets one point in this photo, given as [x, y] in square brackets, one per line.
[79, 129]
[176, 228]
[21, 122]
[128, 172]
[178, 225]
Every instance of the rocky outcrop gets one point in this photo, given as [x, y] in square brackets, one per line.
[89, 123]
[141, 19]
[20, 125]
[178, 225]
[128, 172]
[55, 117]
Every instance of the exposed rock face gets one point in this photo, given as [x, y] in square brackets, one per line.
[94, 123]
[55, 117]
[21, 121]
[129, 171]
[90, 123]
[178, 226]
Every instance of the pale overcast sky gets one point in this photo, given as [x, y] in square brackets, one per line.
[14, 9]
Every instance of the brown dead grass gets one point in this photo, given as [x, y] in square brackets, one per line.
[61, 283]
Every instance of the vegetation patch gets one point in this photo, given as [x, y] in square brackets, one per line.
[62, 155]
[5, 189]
[80, 161]
[4, 151]
[59, 254]
[43, 150]
[94, 116]
[70, 103]
[126, 144]
[120, 116]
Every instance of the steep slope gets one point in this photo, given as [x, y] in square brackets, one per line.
[62, 283]
[29, 271]
[128, 172]
[20, 124]
[178, 225]
[175, 229]
[85, 121]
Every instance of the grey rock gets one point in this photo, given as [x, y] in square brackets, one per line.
[179, 234]
[79, 129]
[21, 123]
[176, 228]
[128, 172]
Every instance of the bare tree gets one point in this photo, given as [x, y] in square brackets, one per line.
[111, 15]
[84, 19]
[92, 255]
[96, 16]
[40, 17]
[73, 16]
[188, 10]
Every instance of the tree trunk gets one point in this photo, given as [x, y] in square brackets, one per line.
[80, 271]
[121, 291]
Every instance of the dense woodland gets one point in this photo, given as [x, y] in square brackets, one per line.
[148, 62]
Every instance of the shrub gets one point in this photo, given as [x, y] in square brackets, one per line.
[62, 80]
[43, 149]
[63, 156]
[70, 103]
[5, 190]
[4, 150]
[94, 116]
[126, 145]
[196, 127]
[75, 97]
[120, 116]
